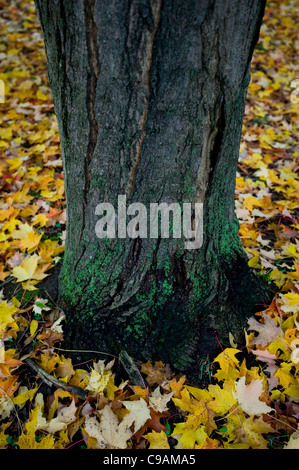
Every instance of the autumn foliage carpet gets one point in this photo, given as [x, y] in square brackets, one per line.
[251, 394]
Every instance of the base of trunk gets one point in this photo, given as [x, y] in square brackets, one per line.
[181, 330]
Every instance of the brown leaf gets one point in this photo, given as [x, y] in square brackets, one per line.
[153, 423]
[156, 374]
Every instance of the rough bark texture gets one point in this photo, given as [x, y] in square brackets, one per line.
[149, 97]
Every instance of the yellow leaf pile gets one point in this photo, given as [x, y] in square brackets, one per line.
[250, 397]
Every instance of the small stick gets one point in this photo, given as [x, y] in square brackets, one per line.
[50, 380]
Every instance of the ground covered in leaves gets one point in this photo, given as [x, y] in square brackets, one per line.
[49, 402]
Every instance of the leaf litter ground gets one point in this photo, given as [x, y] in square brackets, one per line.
[250, 399]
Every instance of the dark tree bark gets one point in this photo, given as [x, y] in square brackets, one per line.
[149, 97]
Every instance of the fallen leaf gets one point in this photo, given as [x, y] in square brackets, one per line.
[248, 397]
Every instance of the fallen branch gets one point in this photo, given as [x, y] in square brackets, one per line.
[50, 380]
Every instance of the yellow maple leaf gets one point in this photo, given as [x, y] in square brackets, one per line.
[251, 201]
[176, 386]
[29, 211]
[3, 439]
[98, 381]
[22, 232]
[280, 349]
[48, 361]
[6, 316]
[28, 271]
[6, 213]
[28, 441]
[24, 395]
[49, 249]
[40, 219]
[292, 391]
[22, 197]
[199, 408]
[187, 438]
[10, 224]
[251, 432]
[31, 242]
[14, 163]
[209, 444]
[229, 365]
[157, 440]
[223, 398]
[283, 373]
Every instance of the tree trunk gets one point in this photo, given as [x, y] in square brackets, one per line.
[149, 97]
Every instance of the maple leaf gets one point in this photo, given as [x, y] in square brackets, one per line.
[248, 397]
[48, 361]
[268, 331]
[156, 374]
[9, 385]
[176, 386]
[65, 416]
[229, 364]
[251, 433]
[199, 409]
[28, 441]
[65, 368]
[3, 435]
[28, 271]
[31, 242]
[139, 412]
[23, 231]
[109, 432]
[33, 327]
[98, 382]
[6, 317]
[187, 438]
[9, 362]
[283, 373]
[157, 440]
[208, 443]
[102, 379]
[269, 359]
[59, 393]
[293, 441]
[223, 398]
[158, 402]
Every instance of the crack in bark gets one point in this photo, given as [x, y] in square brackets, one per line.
[92, 78]
[145, 80]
